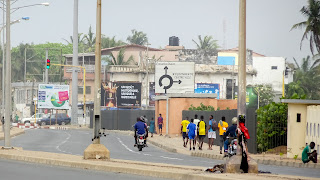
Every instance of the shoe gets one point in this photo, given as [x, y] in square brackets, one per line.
[220, 152]
[190, 149]
[194, 148]
[135, 145]
[199, 148]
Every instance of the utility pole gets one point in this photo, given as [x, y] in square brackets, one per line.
[47, 70]
[74, 108]
[242, 59]
[7, 142]
[3, 63]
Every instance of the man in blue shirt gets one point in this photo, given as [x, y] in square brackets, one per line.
[231, 132]
[139, 129]
[192, 133]
[212, 131]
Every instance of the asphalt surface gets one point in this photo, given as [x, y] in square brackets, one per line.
[121, 147]
[15, 170]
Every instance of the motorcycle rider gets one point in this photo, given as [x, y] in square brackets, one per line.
[231, 132]
[139, 129]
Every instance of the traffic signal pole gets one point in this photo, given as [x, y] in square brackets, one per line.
[47, 70]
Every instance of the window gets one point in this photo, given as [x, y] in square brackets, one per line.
[314, 130]
[310, 133]
[307, 130]
[80, 89]
[274, 67]
[298, 117]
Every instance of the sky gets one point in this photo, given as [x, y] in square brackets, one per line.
[269, 22]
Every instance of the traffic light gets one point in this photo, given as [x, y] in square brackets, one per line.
[48, 63]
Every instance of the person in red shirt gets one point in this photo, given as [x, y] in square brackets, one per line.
[160, 123]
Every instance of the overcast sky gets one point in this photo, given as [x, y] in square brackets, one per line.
[268, 22]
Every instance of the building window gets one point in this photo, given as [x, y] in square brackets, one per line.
[298, 117]
[310, 133]
[307, 129]
[314, 130]
[274, 67]
[80, 89]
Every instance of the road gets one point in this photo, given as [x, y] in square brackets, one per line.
[17, 170]
[121, 147]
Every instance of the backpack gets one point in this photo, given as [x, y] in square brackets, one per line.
[214, 125]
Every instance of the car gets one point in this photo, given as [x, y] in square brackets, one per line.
[32, 118]
[61, 119]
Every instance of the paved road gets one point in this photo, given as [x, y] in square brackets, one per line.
[121, 147]
[22, 170]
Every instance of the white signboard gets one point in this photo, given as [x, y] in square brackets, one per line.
[174, 77]
[51, 96]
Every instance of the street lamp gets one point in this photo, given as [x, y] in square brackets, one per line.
[8, 100]
[3, 69]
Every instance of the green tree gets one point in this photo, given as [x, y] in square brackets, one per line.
[311, 25]
[137, 37]
[81, 39]
[119, 59]
[207, 43]
[90, 41]
[107, 42]
[265, 93]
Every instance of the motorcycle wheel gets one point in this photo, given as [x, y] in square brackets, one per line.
[140, 147]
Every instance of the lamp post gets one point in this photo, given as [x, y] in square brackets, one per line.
[8, 100]
[74, 105]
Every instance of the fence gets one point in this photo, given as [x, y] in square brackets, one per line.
[229, 114]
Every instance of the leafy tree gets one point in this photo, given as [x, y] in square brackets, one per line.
[295, 91]
[90, 40]
[119, 59]
[137, 37]
[311, 25]
[207, 43]
[265, 93]
[107, 42]
[81, 40]
[272, 126]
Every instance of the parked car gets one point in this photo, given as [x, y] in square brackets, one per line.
[61, 119]
[32, 118]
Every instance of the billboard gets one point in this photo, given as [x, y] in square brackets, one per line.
[251, 97]
[108, 95]
[152, 94]
[51, 96]
[207, 88]
[128, 94]
[174, 77]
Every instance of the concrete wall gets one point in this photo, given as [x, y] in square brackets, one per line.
[296, 130]
[313, 126]
[177, 105]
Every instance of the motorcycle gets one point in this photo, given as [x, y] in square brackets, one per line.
[140, 142]
[232, 148]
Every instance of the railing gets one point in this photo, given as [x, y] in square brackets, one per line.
[124, 68]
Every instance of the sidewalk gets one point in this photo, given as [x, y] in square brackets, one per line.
[175, 144]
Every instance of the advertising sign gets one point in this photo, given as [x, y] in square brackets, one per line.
[51, 96]
[108, 95]
[206, 88]
[174, 77]
[251, 97]
[152, 94]
[128, 94]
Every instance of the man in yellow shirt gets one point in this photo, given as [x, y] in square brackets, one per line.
[202, 131]
[223, 125]
[184, 125]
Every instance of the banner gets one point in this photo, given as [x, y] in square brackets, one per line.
[152, 94]
[207, 88]
[108, 95]
[174, 77]
[128, 94]
[251, 97]
[51, 96]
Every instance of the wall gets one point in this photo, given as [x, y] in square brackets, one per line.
[296, 130]
[313, 126]
[177, 105]
[266, 75]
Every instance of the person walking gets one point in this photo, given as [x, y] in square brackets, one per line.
[160, 123]
[223, 125]
[192, 133]
[202, 131]
[212, 131]
[184, 125]
[152, 124]
[196, 122]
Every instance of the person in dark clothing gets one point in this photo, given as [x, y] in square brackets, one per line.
[139, 128]
[231, 132]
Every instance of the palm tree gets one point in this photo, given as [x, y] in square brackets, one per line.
[207, 43]
[137, 37]
[119, 60]
[311, 25]
[80, 39]
[90, 40]
[107, 42]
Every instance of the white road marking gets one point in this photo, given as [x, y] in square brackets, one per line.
[58, 146]
[171, 158]
[147, 154]
[127, 146]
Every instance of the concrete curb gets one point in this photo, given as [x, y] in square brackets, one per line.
[13, 134]
[263, 161]
[131, 167]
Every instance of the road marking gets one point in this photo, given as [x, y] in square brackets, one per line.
[58, 146]
[171, 158]
[147, 154]
[127, 146]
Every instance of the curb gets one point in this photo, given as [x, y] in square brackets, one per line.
[13, 135]
[131, 167]
[263, 161]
